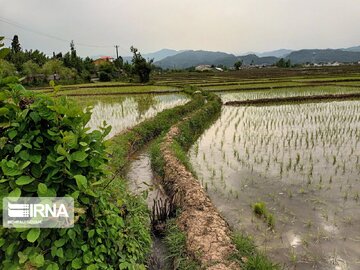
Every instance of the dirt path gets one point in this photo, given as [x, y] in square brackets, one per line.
[207, 233]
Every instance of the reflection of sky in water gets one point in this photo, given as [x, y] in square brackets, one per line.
[131, 111]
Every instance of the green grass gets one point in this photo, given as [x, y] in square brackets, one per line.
[175, 241]
[247, 255]
[126, 143]
[108, 90]
[182, 156]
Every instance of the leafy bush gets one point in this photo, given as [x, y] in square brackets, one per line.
[6, 68]
[104, 77]
[47, 151]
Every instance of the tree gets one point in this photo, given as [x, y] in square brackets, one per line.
[6, 69]
[3, 51]
[36, 56]
[119, 62]
[282, 63]
[55, 66]
[31, 70]
[71, 60]
[15, 45]
[237, 65]
[16, 56]
[141, 67]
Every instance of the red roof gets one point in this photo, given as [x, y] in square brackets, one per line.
[106, 57]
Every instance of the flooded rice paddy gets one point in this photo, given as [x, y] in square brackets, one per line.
[303, 162]
[286, 92]
[125, 112]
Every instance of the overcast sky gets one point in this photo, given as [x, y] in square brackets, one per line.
[234, 26]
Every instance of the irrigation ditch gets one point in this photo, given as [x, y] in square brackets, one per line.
[188, 231]
[198, 218]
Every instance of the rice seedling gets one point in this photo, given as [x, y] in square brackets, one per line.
[302, 149]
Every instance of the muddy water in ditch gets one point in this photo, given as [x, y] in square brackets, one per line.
[303, 161]
[141, 179]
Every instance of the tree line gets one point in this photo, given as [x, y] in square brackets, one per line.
[36, 68]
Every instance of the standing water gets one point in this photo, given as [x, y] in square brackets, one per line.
[303, 162]
[141, 179]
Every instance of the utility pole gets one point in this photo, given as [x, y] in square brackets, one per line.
[117, 52]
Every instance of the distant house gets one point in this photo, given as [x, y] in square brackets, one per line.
[219, 69]
[102, 60]
[53, 77]
[203, 68]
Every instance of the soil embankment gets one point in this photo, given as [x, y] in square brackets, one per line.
[207, 233]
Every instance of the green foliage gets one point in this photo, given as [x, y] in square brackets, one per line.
[70, 67]
[47, 151]
[55, 66]
[15, 44]
[119, 62]
[141, 67]
[260, 210]
[193, 127]
[106, 71]
[55, 87]
[282, 63]
[127, 143]
[237, 65]
[260, 262]
[175, 241]
[104, 77]
[71, 60]
[247, 255]
[3, 51]
[30, 68]
[190, 129]
[157, 160]
[6, 69]
[181, 155]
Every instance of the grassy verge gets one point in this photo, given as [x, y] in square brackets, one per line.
[115, 90]
[191, 128]
[122, 146]
[247, 255]
[125, 144]
[175, 241]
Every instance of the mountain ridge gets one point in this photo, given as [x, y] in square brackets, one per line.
[191, 58]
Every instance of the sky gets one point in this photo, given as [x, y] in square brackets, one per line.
[233, 26]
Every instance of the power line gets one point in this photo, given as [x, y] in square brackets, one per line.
[13, 23]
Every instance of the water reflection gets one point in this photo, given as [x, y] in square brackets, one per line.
[131, 110]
